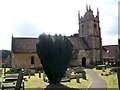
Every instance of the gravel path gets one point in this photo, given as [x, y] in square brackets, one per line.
[97, 81]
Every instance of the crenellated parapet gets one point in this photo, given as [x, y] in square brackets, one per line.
[88, 15]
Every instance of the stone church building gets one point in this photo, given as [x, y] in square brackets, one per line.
[24, 53]
[87, 45]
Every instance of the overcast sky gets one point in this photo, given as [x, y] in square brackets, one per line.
[29, 18]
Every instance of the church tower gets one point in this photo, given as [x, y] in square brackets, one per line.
[88, 24]
[89, 31]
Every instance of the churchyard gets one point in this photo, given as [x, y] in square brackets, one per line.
[39, 80]
[111, 79]
[57, 72]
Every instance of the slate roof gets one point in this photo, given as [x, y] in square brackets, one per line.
[28, 45]
[109, 51]
[24, 45]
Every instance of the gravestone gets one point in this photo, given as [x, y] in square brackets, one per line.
[39, 74]
[103, 69]
[84, 75]
[44, 76]
[4, 71]
[68, 73]
[0, 85]
[67, 76]
[77, 78]
[0, 72]
[20, 79]
[103, 72]
[78, 70]
[99, 67]
[17, 85]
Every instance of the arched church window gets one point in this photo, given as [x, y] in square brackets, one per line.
[32, 60]
[82, 26]
[95, 29]
[95, 26]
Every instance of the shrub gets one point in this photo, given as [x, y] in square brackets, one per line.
[55, 53]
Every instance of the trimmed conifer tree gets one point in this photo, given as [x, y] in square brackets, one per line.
[55, 53]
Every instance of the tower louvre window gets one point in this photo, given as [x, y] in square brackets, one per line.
[95, 25]
[82, 28]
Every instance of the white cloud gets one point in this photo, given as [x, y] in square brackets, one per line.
[52, 16]
[109, 40]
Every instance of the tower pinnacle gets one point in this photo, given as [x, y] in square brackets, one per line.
[86, 7]
[89, 8]
[79, 20]
[12, 35]
[97, 11]
[78, 14]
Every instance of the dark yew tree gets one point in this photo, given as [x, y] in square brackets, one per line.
[55, 53]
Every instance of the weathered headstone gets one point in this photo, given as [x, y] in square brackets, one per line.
[77, 78]
[44, 76]
[84, 75]
[68, 73]
[103, 69]
[67, 76]
[32, 71]
[39, 74]
[20, 79]
[78, 70]
[29, 75]
[103, 72]
[0, 72]
[0, 85]
[4, 71]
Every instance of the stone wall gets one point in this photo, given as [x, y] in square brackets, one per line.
[78, 61]
[83, 53]
[23, 60]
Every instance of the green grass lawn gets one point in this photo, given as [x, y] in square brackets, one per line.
[5, 70]
[111, 80]
[83, 83]
[36, 82]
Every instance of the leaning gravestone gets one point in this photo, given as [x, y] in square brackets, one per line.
[19, 81]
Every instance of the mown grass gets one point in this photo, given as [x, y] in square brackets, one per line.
[36, 82]
[83, 83]
[111, 80]
[5, 70]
